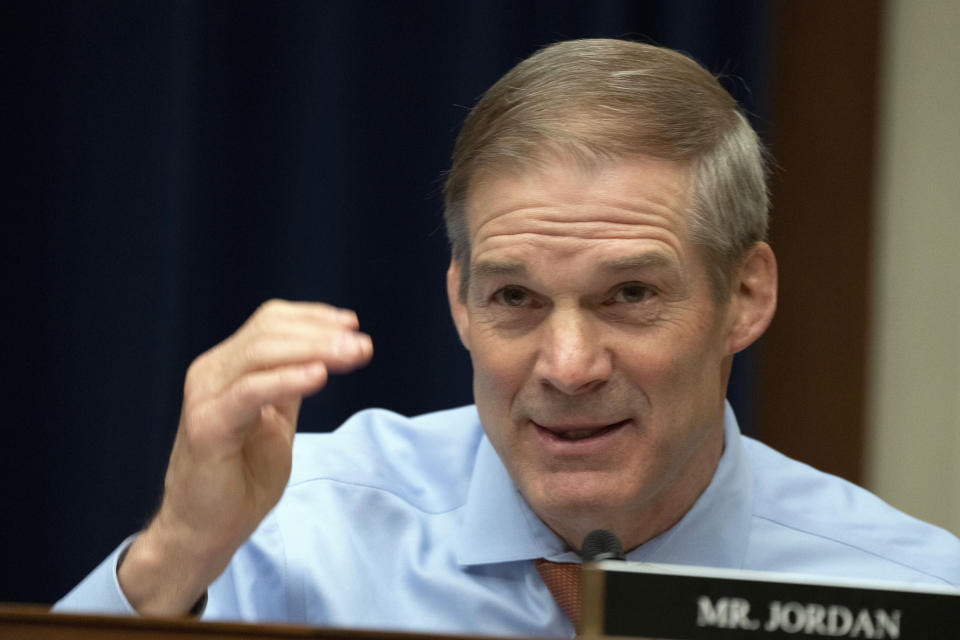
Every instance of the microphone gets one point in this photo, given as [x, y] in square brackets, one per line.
[601, 544]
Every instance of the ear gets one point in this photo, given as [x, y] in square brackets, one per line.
[458, 308]
[753, 297]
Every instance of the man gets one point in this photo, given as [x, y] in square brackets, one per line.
[607, 211]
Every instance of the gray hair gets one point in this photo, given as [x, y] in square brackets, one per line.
[599, 100]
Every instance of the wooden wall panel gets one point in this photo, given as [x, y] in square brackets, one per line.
[824, 107]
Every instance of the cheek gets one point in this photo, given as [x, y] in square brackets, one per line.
[672, 365]
[500, 368]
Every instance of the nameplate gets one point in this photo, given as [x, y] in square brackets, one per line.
[668, 602]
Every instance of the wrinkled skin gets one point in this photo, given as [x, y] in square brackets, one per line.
[600, 355]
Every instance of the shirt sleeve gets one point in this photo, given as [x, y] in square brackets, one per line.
[100, 591]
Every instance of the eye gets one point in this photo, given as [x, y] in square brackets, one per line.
[512, 296]
[632, 293]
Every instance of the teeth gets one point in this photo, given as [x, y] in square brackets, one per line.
[577, 434]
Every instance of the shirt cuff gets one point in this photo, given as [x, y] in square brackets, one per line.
[100, 592]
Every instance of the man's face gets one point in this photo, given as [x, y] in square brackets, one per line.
[600, 358]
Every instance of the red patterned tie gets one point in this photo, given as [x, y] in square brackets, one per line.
[563, 580]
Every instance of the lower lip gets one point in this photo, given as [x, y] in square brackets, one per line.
[593, 443]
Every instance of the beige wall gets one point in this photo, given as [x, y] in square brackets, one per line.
[913, 436]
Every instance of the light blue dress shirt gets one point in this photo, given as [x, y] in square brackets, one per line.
[413, 524]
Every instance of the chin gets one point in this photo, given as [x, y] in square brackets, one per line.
[589, 499]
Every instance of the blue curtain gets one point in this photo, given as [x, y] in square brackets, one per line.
[170, 165]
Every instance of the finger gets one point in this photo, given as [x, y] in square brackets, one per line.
[309, 329]
[306, 312]
[240, 404]
[340, 351]
[290, 409]
[313, 323]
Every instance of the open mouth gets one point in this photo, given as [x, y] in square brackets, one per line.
[575, 435]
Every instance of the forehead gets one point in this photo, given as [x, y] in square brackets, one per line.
[564, 207]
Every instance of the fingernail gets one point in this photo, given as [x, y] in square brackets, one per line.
[364, 343]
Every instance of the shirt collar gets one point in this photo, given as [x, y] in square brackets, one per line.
[499, 526]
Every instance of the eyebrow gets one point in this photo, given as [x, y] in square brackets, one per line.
[487, 268]
[653, 260]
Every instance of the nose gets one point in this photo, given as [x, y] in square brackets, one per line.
[572, 358]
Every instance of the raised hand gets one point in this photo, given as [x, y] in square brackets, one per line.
[231, 457]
